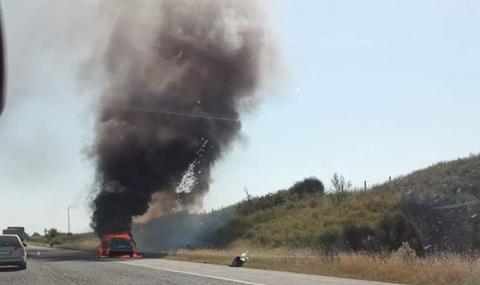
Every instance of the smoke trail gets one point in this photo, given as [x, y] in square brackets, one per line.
[177, 74]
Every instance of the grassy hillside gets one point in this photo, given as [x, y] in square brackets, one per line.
[313, 221]
[444, 202]
[432, 209]
[292, 218]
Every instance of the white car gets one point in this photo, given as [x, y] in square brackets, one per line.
[12, 251]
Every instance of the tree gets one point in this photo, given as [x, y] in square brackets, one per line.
[309, 185]
[52, 237]
[340, 187]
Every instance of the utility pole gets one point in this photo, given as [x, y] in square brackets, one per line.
[68, 219]
[365, 185]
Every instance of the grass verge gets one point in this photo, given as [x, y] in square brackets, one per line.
[399, 267]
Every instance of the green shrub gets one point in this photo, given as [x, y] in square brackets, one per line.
[395, 229]
[311, 185]
[359, 237]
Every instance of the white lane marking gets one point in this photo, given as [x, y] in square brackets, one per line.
[194, 274]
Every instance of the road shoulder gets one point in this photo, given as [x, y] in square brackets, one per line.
[244, 275]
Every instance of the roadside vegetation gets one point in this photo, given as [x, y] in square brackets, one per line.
[338, 221]
[402, 266]
[54, 238]
[434, 210]
[421, 228]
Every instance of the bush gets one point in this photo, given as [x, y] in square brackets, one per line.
[56, 240]
[359, 238]
[52, 237]
[329, 242]
[395, 229]
[309, 185]
[405, 254]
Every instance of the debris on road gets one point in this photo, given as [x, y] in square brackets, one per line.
[240, 260]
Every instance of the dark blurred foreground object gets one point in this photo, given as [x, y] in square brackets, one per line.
[240, 260]
[2, 65]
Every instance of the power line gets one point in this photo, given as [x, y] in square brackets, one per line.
[201, 115]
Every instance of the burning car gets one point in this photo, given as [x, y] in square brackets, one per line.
[117, 245]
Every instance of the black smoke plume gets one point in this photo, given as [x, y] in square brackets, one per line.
[177, 73]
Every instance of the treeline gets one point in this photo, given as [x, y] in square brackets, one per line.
[54, 237]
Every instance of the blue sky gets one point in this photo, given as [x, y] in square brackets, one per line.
[369, 89]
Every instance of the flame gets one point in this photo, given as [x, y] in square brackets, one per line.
[103, 250]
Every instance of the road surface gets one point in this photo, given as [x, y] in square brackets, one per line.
[54, 266]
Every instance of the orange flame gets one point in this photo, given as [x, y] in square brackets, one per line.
[103, 249]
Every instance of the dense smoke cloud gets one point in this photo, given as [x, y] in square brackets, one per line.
[177, 73]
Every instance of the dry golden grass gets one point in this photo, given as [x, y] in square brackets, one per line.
[399, 267]
[87, 244]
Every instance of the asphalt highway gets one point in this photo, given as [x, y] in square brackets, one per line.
[54, 266]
